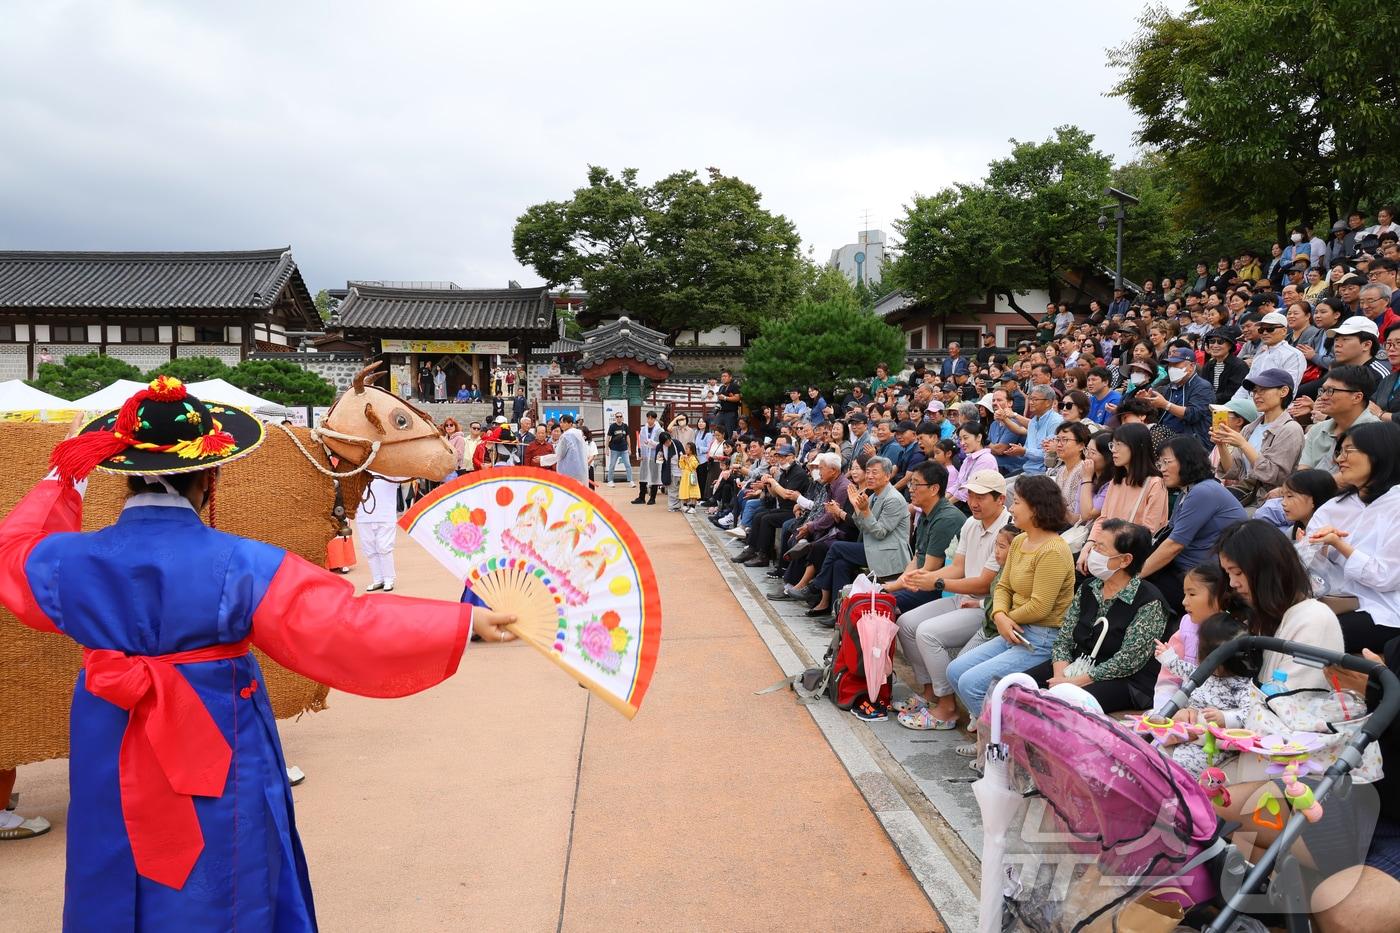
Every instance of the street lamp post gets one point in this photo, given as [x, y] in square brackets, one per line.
[1120, 214]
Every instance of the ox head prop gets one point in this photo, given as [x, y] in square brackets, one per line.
[369, 421]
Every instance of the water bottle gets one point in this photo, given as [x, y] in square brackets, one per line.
[1277, 685]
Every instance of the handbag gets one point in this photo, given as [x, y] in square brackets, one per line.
[1075, 536]
[1332, 717]
[1086, 663]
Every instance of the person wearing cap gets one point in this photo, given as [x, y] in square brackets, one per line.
[179, 814]
[1185, 402]
[1356, 342]
[1270, 444]
[780, 490]
[1276, 352]
[931, 632]
[1224, 370]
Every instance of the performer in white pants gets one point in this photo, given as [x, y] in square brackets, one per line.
[376, 520]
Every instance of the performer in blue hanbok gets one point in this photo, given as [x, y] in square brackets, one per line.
[180, 815]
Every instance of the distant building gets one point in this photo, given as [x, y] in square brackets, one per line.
[863, 260]
[148, 308]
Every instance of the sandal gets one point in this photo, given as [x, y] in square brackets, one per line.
[921, 719]
[967, 751]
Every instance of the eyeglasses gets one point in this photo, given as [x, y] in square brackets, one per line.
[1067, 406]
[1268, 328]
[914, 485]
[1345, 451]
[1327, 391]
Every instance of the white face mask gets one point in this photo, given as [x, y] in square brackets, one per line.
[1098, 566]
[1176, 374]
[1138, 379]
[1297, 238]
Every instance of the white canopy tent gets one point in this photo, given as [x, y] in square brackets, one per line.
[109, 398]
[217, 390]
[15, 395]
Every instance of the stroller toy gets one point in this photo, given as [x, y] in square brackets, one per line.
[1216, 786]
[1289, 753]
[1233, 740]
[1164, 730]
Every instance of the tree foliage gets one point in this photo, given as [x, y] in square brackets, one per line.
[325, 304]
[828, 343]
[78, 376]
[192, 369]
[1289, 108]
[686, 253]
[1035, 215]
[281, 381]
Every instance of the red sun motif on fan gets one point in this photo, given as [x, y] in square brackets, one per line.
[504, 496]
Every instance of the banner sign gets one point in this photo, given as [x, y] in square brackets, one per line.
[445, 346]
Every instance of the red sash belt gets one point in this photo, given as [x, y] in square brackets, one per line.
[171, 752]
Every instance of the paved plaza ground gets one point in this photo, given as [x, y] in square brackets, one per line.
[507, 800]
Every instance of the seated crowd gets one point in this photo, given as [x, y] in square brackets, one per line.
[1103, 506]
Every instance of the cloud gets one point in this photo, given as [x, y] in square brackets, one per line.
[402, 141]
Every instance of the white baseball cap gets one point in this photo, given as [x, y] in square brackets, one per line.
[1356, 324]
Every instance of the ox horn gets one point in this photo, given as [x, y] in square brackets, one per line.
[368, 374]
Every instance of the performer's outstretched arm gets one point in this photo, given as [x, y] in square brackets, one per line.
[310, 621]
[53, 505]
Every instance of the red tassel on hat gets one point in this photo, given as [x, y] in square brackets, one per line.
[76, 457]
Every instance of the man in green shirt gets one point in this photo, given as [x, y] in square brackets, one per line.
[938, 526]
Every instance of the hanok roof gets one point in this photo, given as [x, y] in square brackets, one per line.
[247, 280]
[625, 339]
[509, 312]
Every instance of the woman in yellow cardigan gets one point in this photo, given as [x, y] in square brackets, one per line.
[1030, 599]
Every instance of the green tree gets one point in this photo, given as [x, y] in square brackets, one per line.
[825, 283]
[688, 252]
[1034, 216]
[192, 369]
[1289, 108]
[282, 381]
[78, 376]
[325, 304]
[829, 343]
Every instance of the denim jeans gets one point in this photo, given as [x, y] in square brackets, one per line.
[973, 672]
[750, 507]
[619, 456]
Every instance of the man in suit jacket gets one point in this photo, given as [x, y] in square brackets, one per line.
[882, 515]
[954, 364]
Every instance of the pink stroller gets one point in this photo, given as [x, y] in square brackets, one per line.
[1108, 817]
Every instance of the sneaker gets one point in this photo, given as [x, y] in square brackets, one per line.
[740, 532]
[778, 596]
[869, 712]
[295, 775]
[610, 484]
[725, 521]
[967, 751]
[690, 511]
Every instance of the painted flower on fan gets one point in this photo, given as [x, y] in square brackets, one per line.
[462, 536]
[600, 646]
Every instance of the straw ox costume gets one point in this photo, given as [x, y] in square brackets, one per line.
[181, 817]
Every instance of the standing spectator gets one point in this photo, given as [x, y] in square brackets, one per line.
[883, 380]
[453, 432]
[619, 447]
[795, 410]
[649, 470]
[376, 523]
[728, 393]
[439, 384]
[1185, 405]
[541, 443]
[954, 364]
[1205, 509]
[518, 405]
[1276, 353]
[989, 350]
[425, 381]
[1136, 493]
[573, 457]
[1030, 599]
[1223, 370]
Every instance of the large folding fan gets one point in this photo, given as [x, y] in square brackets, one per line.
[559, 558]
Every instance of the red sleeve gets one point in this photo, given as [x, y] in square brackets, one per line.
[51, 506]
[310, 621]
[479, 457]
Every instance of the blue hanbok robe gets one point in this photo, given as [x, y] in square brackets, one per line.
[158, 582]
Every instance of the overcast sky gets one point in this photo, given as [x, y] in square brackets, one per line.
[401, 140]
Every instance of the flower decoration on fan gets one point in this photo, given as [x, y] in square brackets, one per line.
[463, 531]
[603, 641]
[1162, 731]
[562, 547]
[1290, 753]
